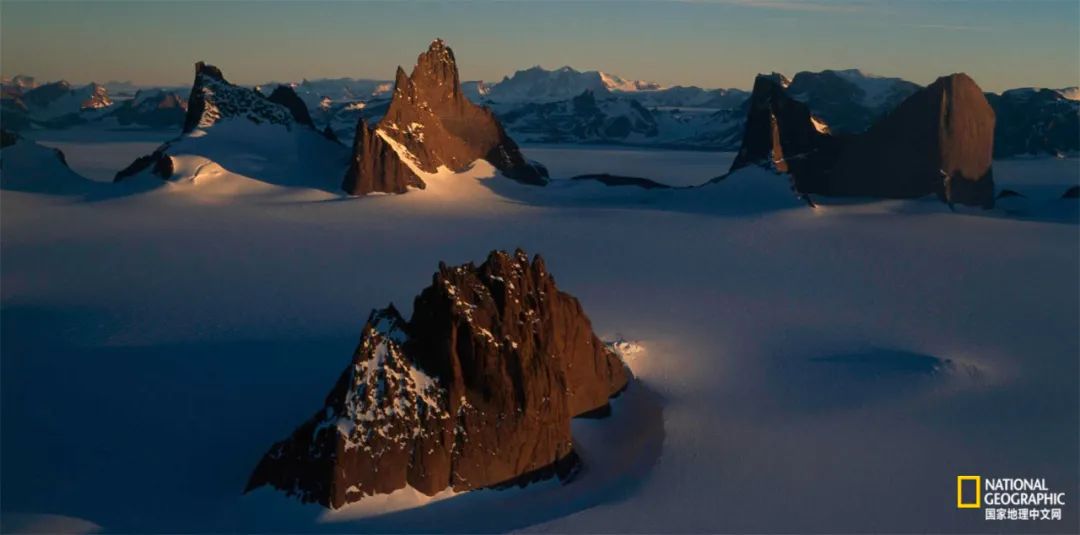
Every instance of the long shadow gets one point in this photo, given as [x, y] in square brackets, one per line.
[867, 377]
[619, 453]
[163, 437]
[752, 194]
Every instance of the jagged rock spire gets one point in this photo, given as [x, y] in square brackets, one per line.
[476, 390]
[430, 117]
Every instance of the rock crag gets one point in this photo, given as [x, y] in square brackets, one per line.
[939, 140]
[476, 390]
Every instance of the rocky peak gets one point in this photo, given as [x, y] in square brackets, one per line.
[45, 94]
[476, 390]
[96, 97]
[436, 74]
[1035, 121]
[430, 118]
[780, 131]
[214, 99]
[937, 141]
[208, 71]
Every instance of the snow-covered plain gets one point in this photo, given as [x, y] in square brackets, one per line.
[808, 370]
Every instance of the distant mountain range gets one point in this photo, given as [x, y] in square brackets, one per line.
[566, 105]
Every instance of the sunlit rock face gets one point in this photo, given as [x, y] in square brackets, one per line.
[432, 119]
[476, 390]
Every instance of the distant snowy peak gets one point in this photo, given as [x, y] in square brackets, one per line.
[1071, 93]
[877, 90]
[61, 97]
[537, 84]
[1036, 121]
[848, 100]
[52, 105]
[616, 83]
[154, 108]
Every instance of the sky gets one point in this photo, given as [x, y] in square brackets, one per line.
[711, 43]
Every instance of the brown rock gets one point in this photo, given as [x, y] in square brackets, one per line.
[476, 390]
[780, 134]
[159, 164]
[430, 116]
[376, 167]
[939, 140]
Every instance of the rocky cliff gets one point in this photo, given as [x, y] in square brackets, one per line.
[938, 141]
[431, 118]
[476, 390]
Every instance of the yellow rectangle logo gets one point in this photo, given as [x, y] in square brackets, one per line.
[960, 503]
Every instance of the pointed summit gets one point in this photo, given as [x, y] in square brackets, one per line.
[203, 69]
[430, 117]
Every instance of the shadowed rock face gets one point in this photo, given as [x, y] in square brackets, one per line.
[285, 96]
[430, 116]
[939, 140]
[780, 134]
[159, 164]
[375, 167]
[476, 390]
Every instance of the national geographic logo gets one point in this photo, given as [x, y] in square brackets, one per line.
[1009, 498]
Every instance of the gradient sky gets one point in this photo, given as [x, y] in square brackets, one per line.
[718, 43]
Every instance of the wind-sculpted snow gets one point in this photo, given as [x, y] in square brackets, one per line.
[191, 335]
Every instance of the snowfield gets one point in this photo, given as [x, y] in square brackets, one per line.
[798, 370]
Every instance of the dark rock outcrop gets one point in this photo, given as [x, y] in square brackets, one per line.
[1071, 193]
[619, 180]
[781, 134]
[376, 167]
[476, 390]
[7, 138]
[431, 118]
[285, 96]
[939, 140]
[159, 163]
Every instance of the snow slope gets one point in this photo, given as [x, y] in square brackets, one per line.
[809, 370]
